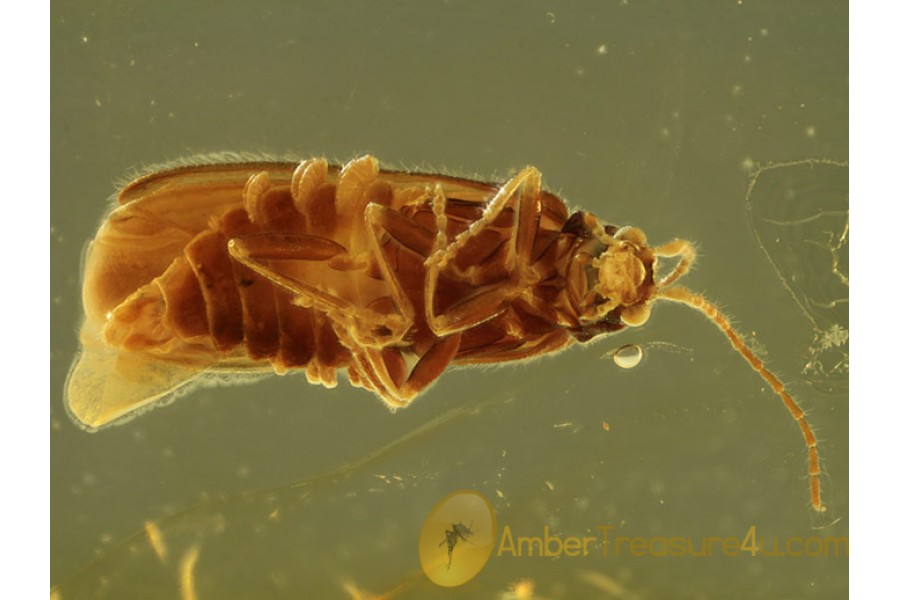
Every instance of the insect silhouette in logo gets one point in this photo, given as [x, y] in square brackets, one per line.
[224, 272]
[457, 532]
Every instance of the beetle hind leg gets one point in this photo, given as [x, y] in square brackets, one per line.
[293, 261]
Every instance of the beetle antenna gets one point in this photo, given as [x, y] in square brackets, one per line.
[676, 247]
[698, 302]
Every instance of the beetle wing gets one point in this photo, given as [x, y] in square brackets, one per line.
[212, 179]
[108, 384]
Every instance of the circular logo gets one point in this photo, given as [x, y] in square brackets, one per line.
[457, 538]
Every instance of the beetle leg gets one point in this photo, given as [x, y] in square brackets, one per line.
[292, 261]
[523, 195]
[397, 376]
[409, 234]
[395, 372]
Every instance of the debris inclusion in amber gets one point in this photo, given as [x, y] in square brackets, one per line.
[222, 272]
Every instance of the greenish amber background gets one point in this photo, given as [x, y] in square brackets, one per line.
[645, 113]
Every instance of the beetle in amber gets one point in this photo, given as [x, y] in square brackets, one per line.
[223, 271]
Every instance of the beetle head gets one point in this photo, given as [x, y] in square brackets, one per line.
[610, 277]
[624, 276]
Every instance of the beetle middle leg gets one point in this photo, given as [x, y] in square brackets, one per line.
[522, 194]
[399, 374]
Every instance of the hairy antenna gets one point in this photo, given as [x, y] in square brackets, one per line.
[667, 291]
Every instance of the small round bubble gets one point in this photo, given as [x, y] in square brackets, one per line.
[628, 356]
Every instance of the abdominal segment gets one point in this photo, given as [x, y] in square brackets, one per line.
[167, 306]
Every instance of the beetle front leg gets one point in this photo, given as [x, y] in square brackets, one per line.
[522, 194]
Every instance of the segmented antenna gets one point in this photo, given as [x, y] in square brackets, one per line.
[698, 302]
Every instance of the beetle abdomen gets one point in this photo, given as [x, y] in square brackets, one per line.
[207, 299]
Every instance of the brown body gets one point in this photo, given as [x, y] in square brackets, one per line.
[215, 272]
